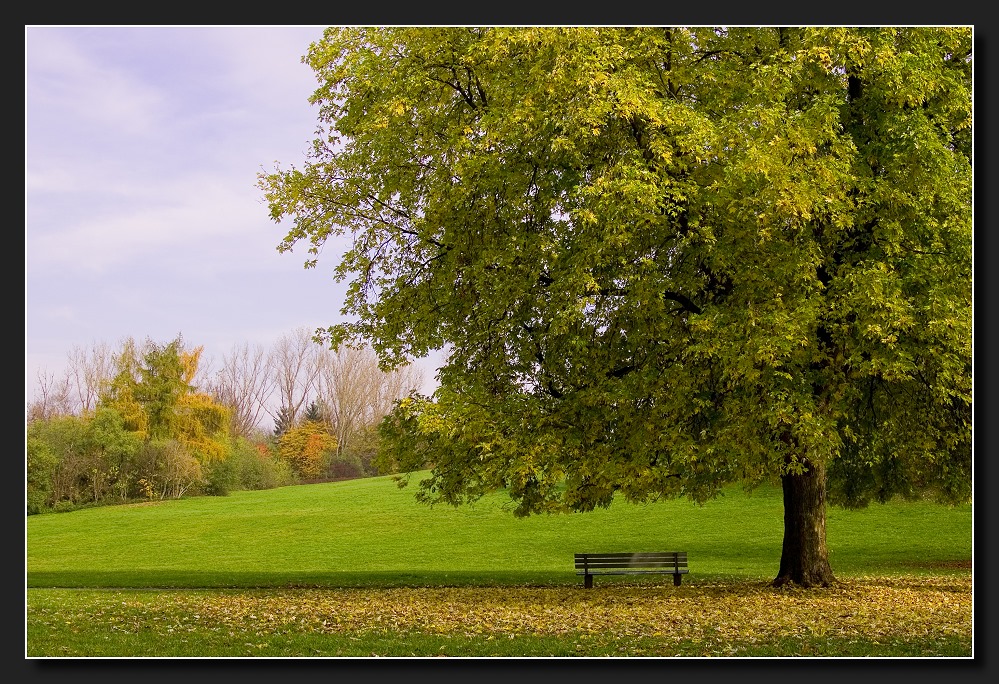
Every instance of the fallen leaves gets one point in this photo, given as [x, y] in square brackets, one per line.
[870, 608]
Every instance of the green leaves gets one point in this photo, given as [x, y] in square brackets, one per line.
[660, 258]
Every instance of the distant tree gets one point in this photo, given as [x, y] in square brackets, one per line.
[245, 385]
[112, 450]
[40, 472]
[89, 369]
[121, 393]
[307, 448]
[661, 259]
[77, 390]
[105, 450]
[314, 412]
[283, 421]
[356, 394]
[53, 397]
[202, 425]
[60, 446]
[294, 364]
[161, 385]
[154, 393]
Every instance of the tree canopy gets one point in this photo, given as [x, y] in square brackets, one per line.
[660, 259]
[153, 392]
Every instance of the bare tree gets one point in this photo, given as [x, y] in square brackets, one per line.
[345, 380]
[294, 363]
[88, 370]
[394, 386]
[52, 397]
[245, 384]
[355, 393]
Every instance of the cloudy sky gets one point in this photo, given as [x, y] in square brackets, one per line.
[142, 216]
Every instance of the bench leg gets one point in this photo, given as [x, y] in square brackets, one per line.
[587, 581]
[676, 579]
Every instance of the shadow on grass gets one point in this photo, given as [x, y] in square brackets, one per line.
[182, 579]
[186, 579]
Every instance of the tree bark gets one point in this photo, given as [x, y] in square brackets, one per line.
[804, 558]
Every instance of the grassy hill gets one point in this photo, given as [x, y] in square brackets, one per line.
[370, 533]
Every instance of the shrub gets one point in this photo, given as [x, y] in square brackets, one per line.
[346, 466]
[363, 448]
[260, 468]
[169, 468]
[308, 449]
[41, 467]
[221, 477]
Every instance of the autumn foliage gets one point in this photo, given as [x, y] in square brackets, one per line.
[890, 615]
[307, 448]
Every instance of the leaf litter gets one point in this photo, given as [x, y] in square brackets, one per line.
[869, 608]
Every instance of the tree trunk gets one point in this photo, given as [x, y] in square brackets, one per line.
[804, 559]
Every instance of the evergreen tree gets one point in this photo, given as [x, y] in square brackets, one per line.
[314, 412]
[283, 421]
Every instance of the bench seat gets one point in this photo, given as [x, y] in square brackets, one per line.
[654, 562]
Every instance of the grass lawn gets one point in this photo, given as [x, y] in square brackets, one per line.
[357, 568]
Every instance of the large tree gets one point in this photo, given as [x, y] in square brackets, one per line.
[661, 259]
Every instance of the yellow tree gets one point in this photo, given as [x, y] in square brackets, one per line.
[120, 391]
[307, 448]
[153, 389]
[201, 423]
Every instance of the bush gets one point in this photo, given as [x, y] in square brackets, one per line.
[277, 473]
[363, 448]
[259, 468]
[221, 477]
[65, 439]
[346, 466]
[42, 463]
[308, 448]
[169, 469]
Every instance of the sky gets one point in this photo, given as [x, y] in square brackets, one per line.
[142, 215]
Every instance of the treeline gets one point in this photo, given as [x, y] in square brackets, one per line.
[155, 421]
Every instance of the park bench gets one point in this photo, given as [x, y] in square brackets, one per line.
[660, 562]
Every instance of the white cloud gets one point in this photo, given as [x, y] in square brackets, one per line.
[142, 212]
[150, 170]
[63, 77]
[173, 218]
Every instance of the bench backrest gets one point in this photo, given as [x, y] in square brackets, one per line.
[601, 561]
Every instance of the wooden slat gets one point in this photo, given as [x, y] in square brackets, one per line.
[669, 562]
[626, 565]
[629, 554]
[667, 571]
[631, 559]
[640, 563]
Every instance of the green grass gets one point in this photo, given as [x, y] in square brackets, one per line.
[150, 630]
[167, 579]
[879, 616]
[368, 532]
